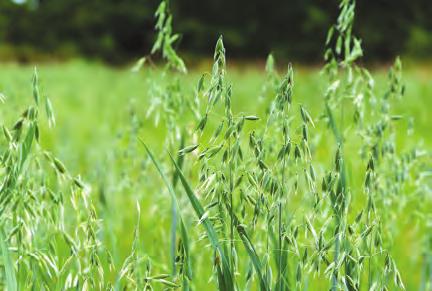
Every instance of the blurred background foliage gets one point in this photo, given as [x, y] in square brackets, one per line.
[117, 31]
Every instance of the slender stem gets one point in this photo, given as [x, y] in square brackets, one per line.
[280, 248]
[173, 235]
[336, 255]
[280, 218]
[231, 204]
[370, 257]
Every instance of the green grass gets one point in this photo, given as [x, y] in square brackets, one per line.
[101, 111]
[92, 102]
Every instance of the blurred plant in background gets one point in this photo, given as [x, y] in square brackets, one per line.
[119, 31]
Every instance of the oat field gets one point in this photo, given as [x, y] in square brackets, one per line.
[223, 176]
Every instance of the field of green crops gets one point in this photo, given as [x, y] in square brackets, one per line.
[101, 111]
[227, 177]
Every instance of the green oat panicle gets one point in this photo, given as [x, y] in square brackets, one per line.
[165, 38]
[34, 203]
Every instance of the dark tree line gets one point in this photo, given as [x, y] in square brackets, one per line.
[118, 30]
